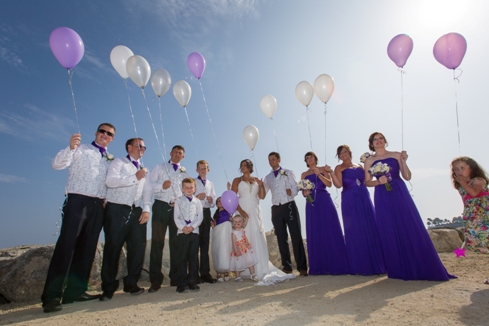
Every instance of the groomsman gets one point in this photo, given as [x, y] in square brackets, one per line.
[283, 186]
[206, 193]
[83, 214]
[124, 221]
[165, 185]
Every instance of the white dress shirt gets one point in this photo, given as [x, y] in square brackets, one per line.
[87, 170]
[123, 186]
[186, 210]
[154, 184]
[277, 185]
[208, 189]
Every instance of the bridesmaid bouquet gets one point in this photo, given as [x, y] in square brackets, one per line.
[305, 184]
[365, 156]
[381, 169]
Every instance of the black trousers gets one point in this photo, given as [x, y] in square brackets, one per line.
[75, 249]
[121, 225]
[284, 216]
[204, 241]
[187, 258]
[161, 220]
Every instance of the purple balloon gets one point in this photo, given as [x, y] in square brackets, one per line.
[196, 64]
[229, 201]
[399, 49]
[67, 46]
[449, 50]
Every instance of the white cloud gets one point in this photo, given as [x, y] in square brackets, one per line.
[11, 178]
[30, 123]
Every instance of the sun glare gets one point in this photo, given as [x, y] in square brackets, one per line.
[442, 14]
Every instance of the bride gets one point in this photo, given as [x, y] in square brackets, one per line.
[250, 190]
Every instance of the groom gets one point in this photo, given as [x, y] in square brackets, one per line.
[283, 186]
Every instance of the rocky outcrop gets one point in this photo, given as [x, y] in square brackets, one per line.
[445, 240]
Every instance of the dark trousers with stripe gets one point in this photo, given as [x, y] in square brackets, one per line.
[187, 248]
[204, 241]
[284, 216]
[162, 220]
[75, 249]
[121, 226]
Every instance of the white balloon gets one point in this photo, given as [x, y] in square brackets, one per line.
[304, 92]
[182, 92]
[118, 58]
[139, 70]
[324, 87]
[250, 136]
[268, 105]
[160, 81]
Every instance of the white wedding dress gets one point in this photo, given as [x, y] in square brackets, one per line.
[249, 202]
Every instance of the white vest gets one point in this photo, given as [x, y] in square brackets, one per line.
[126, 195]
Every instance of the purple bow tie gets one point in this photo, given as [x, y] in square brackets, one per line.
[100, 148]
[175, 166]
[189, 198]
[203, 180]
[277, 171]
[136, 163]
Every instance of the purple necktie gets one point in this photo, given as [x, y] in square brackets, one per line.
[100, 148]
[136, 163]
[277, 171]
[203, 180]
[188, 222]
[175, 166]
[189, 198]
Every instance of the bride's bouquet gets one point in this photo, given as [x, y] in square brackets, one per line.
[381, 169]
[306, 184]
[365, 156]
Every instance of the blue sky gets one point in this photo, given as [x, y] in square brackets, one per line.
[252, 48]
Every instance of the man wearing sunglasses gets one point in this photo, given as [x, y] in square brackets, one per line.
[124, 222]
[83, 212]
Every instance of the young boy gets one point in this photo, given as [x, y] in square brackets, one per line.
[188, 216]
[207, 195]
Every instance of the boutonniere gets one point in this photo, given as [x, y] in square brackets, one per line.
[108, 156]
[182, 169]
[283, 172]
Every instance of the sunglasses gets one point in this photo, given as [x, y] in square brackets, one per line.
[142, 146]
[105, 132]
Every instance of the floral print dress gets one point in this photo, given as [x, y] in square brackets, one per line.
[248, 256]
[476, 217]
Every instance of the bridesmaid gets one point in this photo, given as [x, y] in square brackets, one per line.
[362, 238]
[325, 243]
[408, 251]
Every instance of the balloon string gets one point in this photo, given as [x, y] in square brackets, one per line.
[275, 134]
[309, 125]
[254, 163]
[402, 108]
[70, 77]
[456, 78]
[456, 108]
[156, 135]
[191, 133]
[132, 114]
[161, 124]
[213, 132]
[334, 201]
[325, 133]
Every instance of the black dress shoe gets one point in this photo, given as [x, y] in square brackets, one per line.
[153, 288]
[106, 296]
[194, 288]
[173, 283]
[83, 297]
[199, 280]
[52, 306]
[182, 289]
[208, 279]
[136, 290]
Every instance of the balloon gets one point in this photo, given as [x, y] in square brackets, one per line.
[399, 49]
[118, 58]
[449, 50]
[304, 92]
[67, 46]
[250, 136]
[229, 200]
[182, 92]
[196, 64]
[139, 70]
[160, 81]
[268, 105]
[324, 87]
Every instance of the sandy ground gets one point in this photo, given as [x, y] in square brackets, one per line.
[327, 300]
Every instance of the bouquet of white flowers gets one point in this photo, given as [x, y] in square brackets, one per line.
[306, 185]
[381, 169]
[365, 156]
